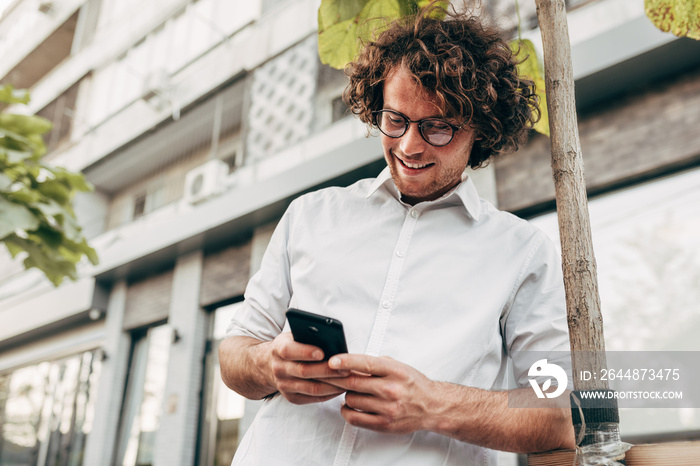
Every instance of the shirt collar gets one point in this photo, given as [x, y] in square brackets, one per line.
[465, 192]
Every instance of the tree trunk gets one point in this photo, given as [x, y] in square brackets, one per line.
[580, 278]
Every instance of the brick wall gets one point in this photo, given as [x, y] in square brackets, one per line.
[632, 138]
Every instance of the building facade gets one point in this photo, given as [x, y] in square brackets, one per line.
[198, 121]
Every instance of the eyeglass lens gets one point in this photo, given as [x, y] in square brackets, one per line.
[434, 131]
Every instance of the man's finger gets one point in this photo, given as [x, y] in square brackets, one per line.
[371, 365]
[362, 402]
[308, 387]
[365, 420]
[293, 351]
[356, 383]
[311, 370]
[300, 399]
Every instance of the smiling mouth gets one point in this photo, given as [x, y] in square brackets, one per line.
[414, 166]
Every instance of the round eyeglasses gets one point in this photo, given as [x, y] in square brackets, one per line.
[434, 131]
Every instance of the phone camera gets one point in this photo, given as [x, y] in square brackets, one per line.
[329, 321]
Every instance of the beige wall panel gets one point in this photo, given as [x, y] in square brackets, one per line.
[148, 300]
[225, 273]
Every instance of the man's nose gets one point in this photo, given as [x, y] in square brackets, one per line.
[412, 143]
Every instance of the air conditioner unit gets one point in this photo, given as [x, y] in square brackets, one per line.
[205, 181]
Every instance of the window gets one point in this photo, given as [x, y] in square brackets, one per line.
[47, 410]
[222, 409]
[329, 100]
[231, 161]
[340, 110]
[149, 200]
[144, 396]
[61, 113]
[230, 151]
[139, 205]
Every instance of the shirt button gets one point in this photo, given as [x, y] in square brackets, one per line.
[386, 304]
[399, 253]
[414, 213]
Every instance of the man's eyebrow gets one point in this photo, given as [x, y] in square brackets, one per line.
[438, 116]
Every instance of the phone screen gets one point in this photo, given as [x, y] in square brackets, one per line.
[318, 330]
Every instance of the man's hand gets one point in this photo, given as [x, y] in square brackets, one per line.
[383, 394]
[296, 368]
[388, 396]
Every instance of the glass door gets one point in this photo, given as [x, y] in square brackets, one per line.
[144, 396]
[222, 408]
[47, 410]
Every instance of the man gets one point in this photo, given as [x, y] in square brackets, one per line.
[434, 286]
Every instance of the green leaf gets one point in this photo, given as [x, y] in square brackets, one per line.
[12, 246]
[338, 43]
[10, 95]
[529, 68]
[680, 17]
[74, 180]
[35, 198]
[36, 143]
[82, 248]
[24, 124]
[52, 262]
[5, 182]
[15, 216]
[56, 190]
[16, 133]
[13, 140]
[336, 11]
[50, 208]
[90, 253]
[343, 25]
[24, 195]
[70, 227]
[48, 236]
[376, 16]
[17, 156]
[438, 13]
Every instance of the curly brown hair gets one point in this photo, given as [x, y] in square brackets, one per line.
[465, 64]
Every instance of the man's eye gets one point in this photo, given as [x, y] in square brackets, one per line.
[395, 120]
[436, 126]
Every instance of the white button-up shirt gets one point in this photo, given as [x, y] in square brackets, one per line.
[450, 287]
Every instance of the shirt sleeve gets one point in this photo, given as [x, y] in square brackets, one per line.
[269, 291]
[535, 326]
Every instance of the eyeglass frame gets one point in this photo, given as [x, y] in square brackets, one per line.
[408, 121]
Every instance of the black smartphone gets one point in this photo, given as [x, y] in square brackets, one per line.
[318, 330]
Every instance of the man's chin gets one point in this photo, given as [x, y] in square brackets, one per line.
[411, 196]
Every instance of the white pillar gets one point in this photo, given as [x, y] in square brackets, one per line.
[177, 435]
[101, 442]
